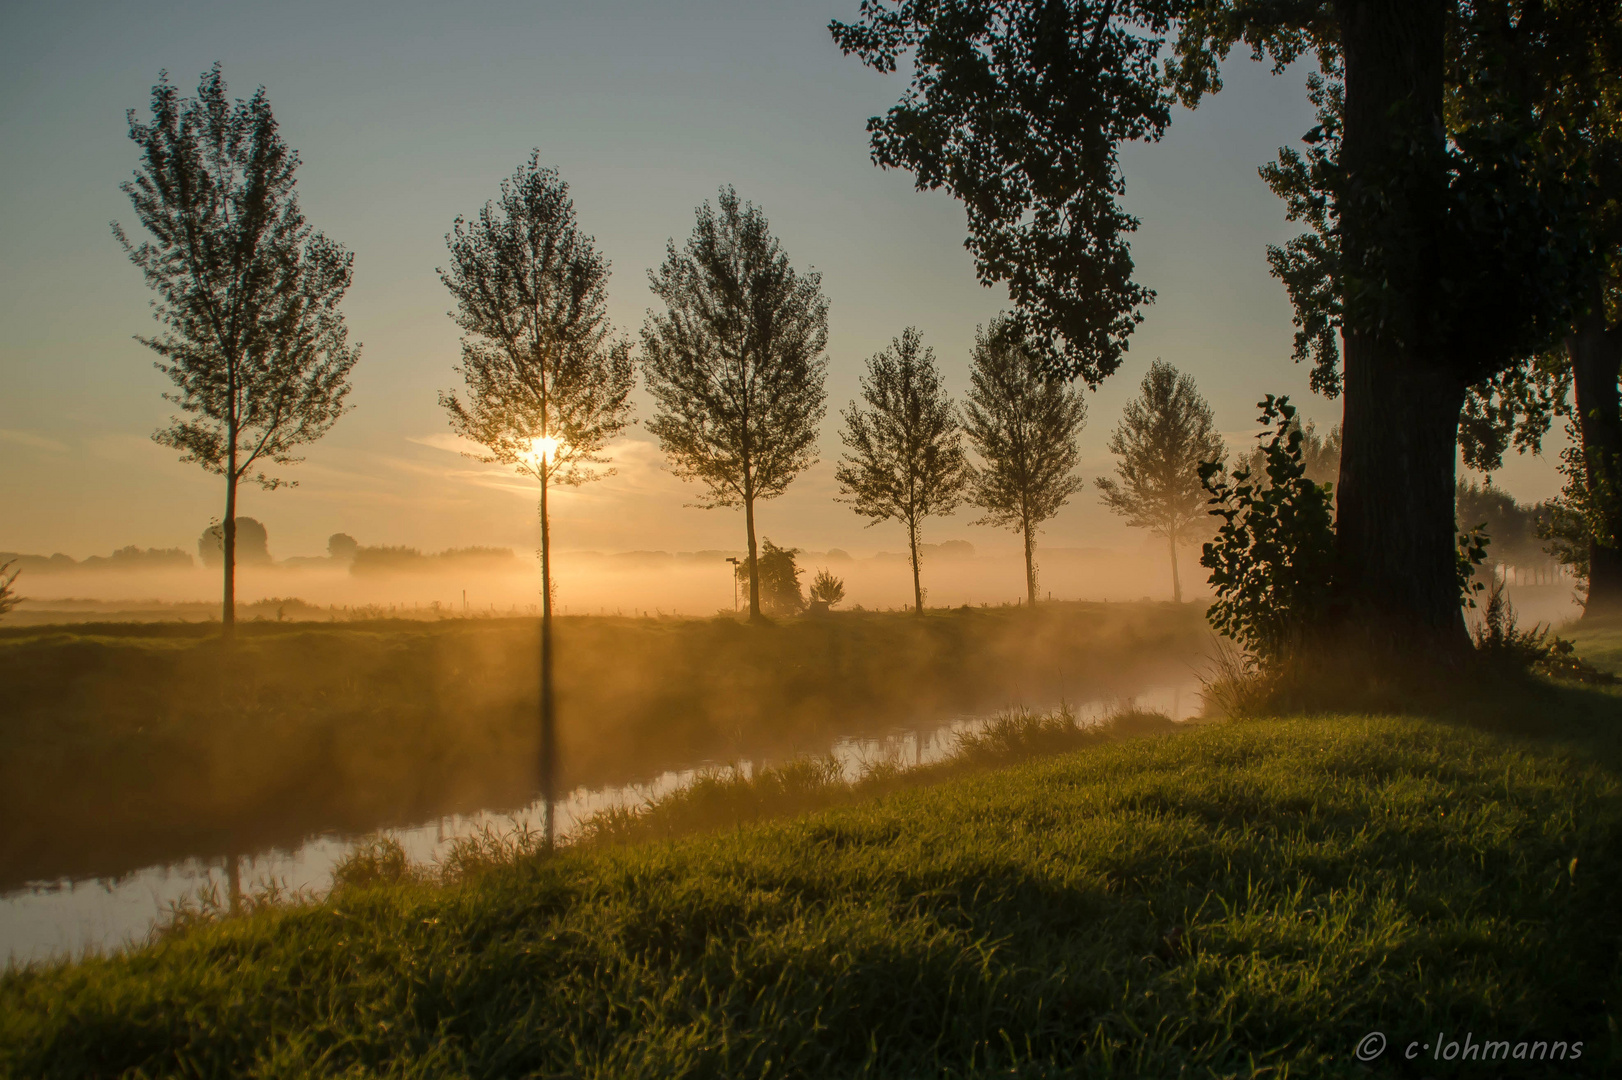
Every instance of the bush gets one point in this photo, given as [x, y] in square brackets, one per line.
[1504, 646]
[8, 587]
[1272, 559]
[779, 579]
[253, 544]
[827, 588]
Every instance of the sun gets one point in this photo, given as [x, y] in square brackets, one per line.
[546, 449]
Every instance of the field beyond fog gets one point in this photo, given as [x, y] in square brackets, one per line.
[134, 744]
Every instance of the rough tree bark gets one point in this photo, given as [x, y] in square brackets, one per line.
[1402, 399]
[1596, 361]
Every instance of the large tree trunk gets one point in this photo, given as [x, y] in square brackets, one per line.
[917, 582]
[1596, 362]
[549, 736]
[1396, 534]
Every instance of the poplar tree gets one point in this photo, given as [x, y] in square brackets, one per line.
[1163, 437]
[1023, 421]
[905, 459]
[547, 384]
[735, 362]
[247, 292]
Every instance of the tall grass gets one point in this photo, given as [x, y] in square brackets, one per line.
[731, 796]
[1243, 899]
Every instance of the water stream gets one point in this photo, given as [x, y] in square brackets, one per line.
[49, 920]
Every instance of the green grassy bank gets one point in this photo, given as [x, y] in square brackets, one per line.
[1241, 899]
[132, 744]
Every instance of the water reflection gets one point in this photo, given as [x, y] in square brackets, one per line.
[69, 918]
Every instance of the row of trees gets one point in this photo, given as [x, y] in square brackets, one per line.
[254, 341]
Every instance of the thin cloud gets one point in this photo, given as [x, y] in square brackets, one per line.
[35, 442]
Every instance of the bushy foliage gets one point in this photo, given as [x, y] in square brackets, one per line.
[1511, 525]
[252, 543]
[826, 588]
[1504, 645]
[1320, 452]
[8, 587]
[779, 579]
[1273, 556]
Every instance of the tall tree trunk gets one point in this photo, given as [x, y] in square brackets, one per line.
[549, 736]
[1176, 580]
[1396, 534]
[1030, 564]
[228, 534]
[917, 584]
[228, 550]
[754, 564]
[1596, 362]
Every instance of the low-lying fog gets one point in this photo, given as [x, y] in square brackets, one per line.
[629, 583]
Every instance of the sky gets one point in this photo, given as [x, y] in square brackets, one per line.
[406, 114]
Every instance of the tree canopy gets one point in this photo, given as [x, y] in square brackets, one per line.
[904, 457]
[247, 291]
[1019, 109]
[1165, 434]
[1023, 421]
[735, 361]
[539, 358]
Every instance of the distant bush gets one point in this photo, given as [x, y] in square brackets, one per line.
[406, 560]
[253, 544]
[342, 546]
[8, 587]
[827, 588]
[134, 558]
[779, 579]
[379, 560]
[125, 558]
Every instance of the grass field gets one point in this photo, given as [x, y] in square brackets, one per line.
[129, 745]
[1239, 899]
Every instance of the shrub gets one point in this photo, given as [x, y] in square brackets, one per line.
[1504, 646]
[8, 587]
[779, 579]
[1272, 559]
[827, 588]
[253, 544]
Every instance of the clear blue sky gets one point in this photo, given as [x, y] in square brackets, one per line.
[407, 113]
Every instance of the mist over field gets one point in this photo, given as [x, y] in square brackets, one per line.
[636, 582]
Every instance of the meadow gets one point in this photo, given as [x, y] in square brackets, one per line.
[1244, 898]
[134, 744]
